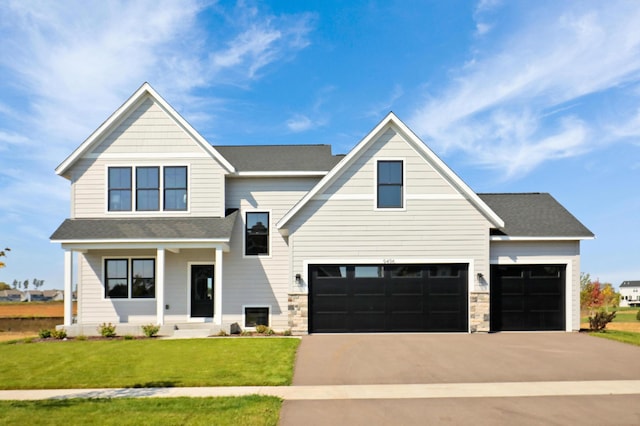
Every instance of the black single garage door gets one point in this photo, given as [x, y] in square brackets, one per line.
[527, 297]
[388, 298]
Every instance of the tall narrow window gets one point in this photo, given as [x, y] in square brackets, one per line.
[175, 188]
[116, 278]
[390, 184]
[143, 273]
[257, 233]
[147, 188]
[119, 188]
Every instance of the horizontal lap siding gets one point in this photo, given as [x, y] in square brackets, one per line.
[262, 280]
[148, 130]
[522, 252]
[347, 225]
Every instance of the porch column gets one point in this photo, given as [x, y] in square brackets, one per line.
[68, 287]
[217, 288]
[160, 286]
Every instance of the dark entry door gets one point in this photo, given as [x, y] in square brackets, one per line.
[202, 291]
[527, 297]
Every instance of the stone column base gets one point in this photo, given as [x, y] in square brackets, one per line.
[479, 312]
[299, 313]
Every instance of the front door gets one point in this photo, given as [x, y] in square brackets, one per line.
[202, 291]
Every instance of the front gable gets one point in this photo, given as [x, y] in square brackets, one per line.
[425, 176]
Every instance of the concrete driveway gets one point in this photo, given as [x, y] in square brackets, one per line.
[463, 358]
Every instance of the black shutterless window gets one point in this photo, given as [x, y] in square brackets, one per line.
[147, 188]
[175, 188]
[119, 189]
[143, 284]
[390, 184]
[256, 233]
[116, 276]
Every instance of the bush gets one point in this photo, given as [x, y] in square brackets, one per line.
[81, 337]
[44, 333]
[150, 330]
[128, 337]
[107, 330]
[599, 320]
[59, 334]
[261, 329]
[638, 315]
[287, 332]
[222, 333]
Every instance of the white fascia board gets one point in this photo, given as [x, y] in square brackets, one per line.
[337, 169]
[142, 244]
[280, 174]
[115, 118]
[507, 238]
[392, 120]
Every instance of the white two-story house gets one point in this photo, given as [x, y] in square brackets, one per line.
[170, 230]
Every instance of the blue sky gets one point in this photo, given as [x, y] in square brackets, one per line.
[515, 96]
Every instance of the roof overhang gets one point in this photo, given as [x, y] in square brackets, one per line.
[171, 245]
[525, 238]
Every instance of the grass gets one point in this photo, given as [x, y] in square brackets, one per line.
[622, 315]
[147, 363]
[619, 336]
[249, 410]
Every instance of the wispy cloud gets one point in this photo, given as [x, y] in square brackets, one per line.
[529, 95]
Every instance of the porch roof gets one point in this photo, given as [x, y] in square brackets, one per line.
[146, 229]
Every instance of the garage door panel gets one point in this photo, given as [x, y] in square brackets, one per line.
[389, 298]
[332, 322]
[528, 297]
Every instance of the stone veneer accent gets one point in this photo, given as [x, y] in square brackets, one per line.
[479, 312]
[299, 313]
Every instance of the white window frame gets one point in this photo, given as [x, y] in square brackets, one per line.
[244, 315]
[129, 278]
[404, 185]
[134, 197]
[244, 234]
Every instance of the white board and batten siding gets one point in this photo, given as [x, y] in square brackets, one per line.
[147, 137]
[546, 252]
[436, 224]
[260, 280]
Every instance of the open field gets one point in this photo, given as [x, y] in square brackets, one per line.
[625, 320]
[33, 309]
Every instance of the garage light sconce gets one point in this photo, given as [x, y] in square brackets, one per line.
[298, 278]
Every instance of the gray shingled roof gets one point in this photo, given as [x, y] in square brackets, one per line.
[202, 228]
[534, 215]
[278, 158]
[630, 284]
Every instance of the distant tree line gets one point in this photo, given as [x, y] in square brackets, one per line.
[35, 283]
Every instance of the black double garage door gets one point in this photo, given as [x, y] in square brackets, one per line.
[388, 298]
[432, 298]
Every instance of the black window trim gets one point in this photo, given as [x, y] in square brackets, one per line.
[244, 315]
[129, 260]
[402, 184]
[147, 188]
[110, 189]
[246, 233]
[165, 188]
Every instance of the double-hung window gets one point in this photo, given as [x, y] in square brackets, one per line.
[130, 278]
[175, 188]
[390, 193]
[147, 188]
[119, 189]
[256, 234]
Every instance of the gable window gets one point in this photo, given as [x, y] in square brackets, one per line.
[256, 233]
[175, 188]
[119, 189]
[389, 184]
[254, 316]
[130, 278]
[116, 276]
[147, 188]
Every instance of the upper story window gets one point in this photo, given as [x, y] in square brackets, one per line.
[151, 191]
[119, 188]
[147, 188]
[256, 233]
[175, 188]
[390, 184]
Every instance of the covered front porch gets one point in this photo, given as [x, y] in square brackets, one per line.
[174, 282]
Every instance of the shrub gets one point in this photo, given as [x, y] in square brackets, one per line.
[638, 315]
[44, 333]
[107, 330]
[150, 330]
[287, 332]
[600, 319]
[261, 329]
[128, 337]
[246, 333]
[59, 334]
[81, 337]
[222, 333]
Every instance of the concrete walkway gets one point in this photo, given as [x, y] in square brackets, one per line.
[346, 392]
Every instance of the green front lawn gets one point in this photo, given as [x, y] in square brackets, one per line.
[620, 336]
[249, 410]
[148, 363]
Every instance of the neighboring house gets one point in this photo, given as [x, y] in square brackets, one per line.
[33, 296]
[169, 229]
[630, 293]
[53, 295]
[10, 295]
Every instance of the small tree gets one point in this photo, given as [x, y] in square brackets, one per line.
[597, 299]
[25, 284]
[16, 284]
[4, 286]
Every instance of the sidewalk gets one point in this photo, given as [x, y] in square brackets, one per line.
[346, 392]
